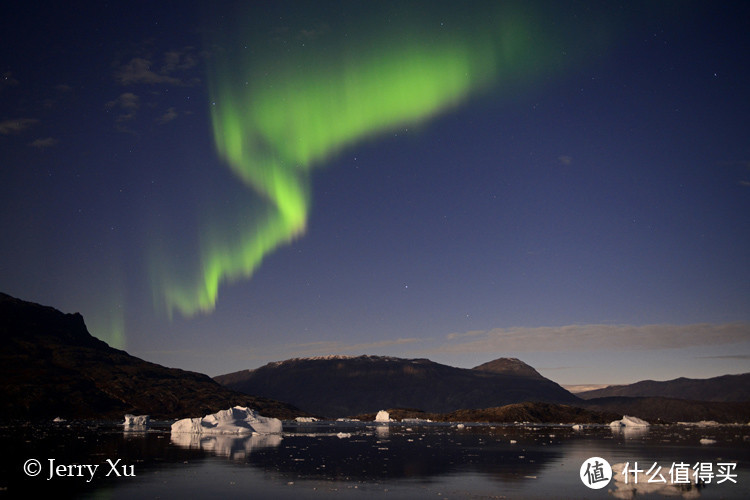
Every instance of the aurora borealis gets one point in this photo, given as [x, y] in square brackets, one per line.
[278, 115]
[215, 186]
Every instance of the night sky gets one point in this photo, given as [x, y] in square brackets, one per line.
[216, 187]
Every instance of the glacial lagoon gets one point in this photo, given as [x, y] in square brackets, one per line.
[370, 460]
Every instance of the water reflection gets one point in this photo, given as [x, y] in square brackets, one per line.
[629, 489]
[230, 446]
[521, 461]
[630, 432]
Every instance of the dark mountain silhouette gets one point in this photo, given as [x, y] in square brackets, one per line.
[724, 388]
[338, 386]
[50, 366]
[670, 410]
[509, 366]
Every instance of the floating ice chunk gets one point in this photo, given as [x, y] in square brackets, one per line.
[237, 420]
[344, 435]
[702, 423]
[708, 441]
[382, 416]
[460, 426]
[306, 419]
[628, 421]
[136, 421]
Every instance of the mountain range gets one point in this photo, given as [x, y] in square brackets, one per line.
[345, 385]
[51, 366]
[724, 388]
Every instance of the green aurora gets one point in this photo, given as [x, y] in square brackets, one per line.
[282, 109]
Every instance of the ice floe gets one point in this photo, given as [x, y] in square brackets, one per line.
[237, 420]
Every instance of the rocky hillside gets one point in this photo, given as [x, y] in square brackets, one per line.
[50, 366]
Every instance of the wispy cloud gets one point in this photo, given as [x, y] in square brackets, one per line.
[565, 159]
[169, 70]
[127, 103]
[727, 356]
[16, 125]
[138, 70]
[594, 337]
[47, 142]
[168, 116]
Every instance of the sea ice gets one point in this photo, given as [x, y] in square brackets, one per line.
[136, 421]
[237, 420]
[382, 416]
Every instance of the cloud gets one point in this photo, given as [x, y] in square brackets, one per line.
[594, 337]
[128, 103]
[727, 356]
[47, 142]
[170, 70]
[16, 125]
[176, 60]
[168, 116]
[565, 159]
[138, 70]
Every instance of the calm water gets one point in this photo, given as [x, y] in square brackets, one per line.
[365, 460]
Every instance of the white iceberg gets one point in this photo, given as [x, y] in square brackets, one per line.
[630, 427]
[382, 416]
[237, 420]
[628, 421]
[136, 421]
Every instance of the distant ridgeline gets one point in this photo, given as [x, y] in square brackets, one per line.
[345, 385]
[337, 386]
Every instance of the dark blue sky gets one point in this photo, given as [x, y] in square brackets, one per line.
[585, 211]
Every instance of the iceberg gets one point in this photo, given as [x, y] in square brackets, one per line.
[628, 421]
[136, 421]
[382, 416]
[630, 427]
[237, 420]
